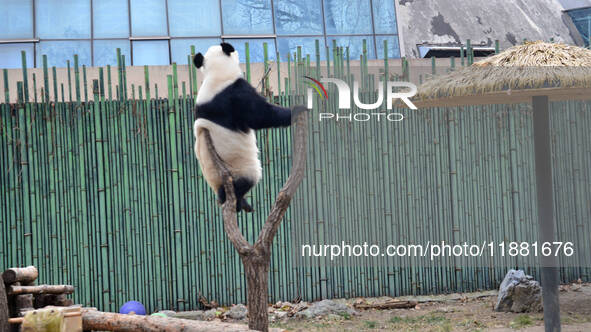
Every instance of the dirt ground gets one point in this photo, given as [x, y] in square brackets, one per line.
[455, 312]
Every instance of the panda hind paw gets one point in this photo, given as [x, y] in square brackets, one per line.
[245, 206]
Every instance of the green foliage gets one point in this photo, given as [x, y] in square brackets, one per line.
[521, 321]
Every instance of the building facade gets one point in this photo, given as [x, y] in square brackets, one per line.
[160, 32]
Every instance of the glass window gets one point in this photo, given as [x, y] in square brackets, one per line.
[63, 18]
[111, 18]
[60, 51]
[347, 17]
[298, 17]
[180, 48]
[582, 20]
[393, 46]
[10, 55]
[17, 19]
[290, 45]
[355, 44]
[256, 48]
[152, 52]
[384, 16]
[105, 52]
[148, 18]
[247, 17]
[190, 18]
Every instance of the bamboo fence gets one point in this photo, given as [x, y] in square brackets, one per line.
[107, 194]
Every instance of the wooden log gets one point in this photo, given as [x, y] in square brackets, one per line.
[41, 289]
[3, 307]
[23, 275]
[19, 320]
[387, 305]
[108, 321]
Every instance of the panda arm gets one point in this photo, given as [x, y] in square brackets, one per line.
[256, 113]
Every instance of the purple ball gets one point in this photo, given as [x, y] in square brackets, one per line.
[133, 306]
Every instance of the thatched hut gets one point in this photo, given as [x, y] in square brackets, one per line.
[558, 71]
[536, 72]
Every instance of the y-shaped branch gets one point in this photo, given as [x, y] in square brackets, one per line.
[263, 243]
[300, 128]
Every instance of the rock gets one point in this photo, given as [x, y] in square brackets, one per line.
[519, 293]
[237, 312]
[325, 307]
[194, 315]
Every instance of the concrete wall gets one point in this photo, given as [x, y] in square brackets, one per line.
[451, 22]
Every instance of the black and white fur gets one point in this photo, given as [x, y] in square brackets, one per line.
[231, 109]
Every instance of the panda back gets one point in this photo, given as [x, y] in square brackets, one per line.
[236, 148]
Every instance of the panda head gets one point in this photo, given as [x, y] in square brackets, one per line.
[219, 61]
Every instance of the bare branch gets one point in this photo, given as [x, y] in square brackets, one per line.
[229, 208]
[300, 127]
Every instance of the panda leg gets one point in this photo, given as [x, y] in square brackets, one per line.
[221, 194]
[241, 187]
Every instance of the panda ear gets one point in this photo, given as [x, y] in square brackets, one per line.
[198, 60]
[227, 48]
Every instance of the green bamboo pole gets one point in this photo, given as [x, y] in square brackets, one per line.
[109, 82]
[85, 83]
[101, 85]
[120, 74]
[147, 84]
[6, 89]
[25, 77]
[277, 56]
[69, 82]
[77, 78]
[46, 80]
[193, 73]
[247, 56]
[317, 53]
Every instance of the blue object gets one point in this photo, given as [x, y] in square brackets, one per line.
[133, 307]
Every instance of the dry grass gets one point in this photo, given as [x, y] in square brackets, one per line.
[529, 66]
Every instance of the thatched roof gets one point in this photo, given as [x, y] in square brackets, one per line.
[522, 68]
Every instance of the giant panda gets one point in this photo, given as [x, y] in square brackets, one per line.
[231, 109]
